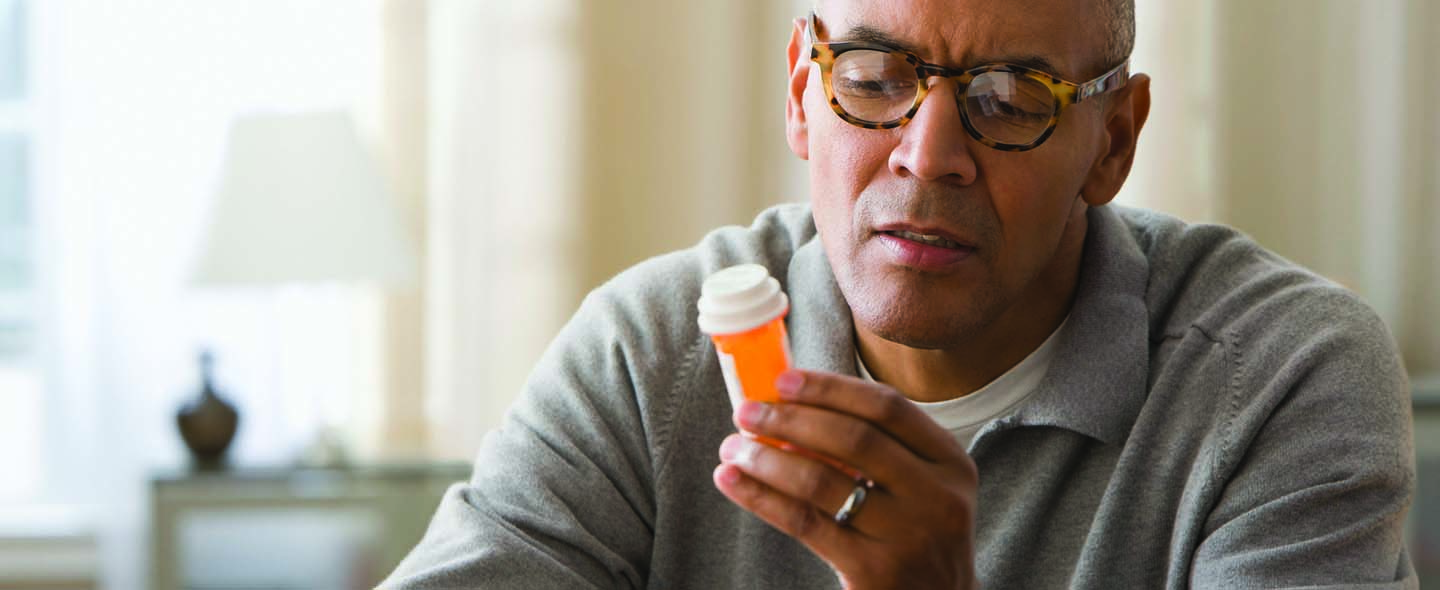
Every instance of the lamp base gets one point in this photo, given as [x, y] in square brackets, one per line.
[207, 423]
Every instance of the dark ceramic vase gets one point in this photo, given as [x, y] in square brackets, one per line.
[208, 422]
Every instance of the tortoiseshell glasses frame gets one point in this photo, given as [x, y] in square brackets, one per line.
[1063, 92]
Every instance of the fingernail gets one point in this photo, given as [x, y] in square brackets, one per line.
[727, 475]
[789, 382]
[750, 413]
[742, 452]
[729, 447]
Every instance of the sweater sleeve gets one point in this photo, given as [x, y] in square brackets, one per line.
[1319, 456]
[562, 493]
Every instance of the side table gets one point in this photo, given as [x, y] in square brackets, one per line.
[276, 528]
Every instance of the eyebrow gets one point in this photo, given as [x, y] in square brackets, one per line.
[868, 34]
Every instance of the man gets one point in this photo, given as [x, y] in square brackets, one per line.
[1040, 390]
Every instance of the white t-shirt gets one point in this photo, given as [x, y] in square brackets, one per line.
[964, 416]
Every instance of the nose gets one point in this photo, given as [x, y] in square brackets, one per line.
[934, 146]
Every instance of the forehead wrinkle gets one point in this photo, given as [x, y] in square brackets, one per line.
[859, 31]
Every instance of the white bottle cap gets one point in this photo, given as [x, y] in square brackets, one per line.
[739, 299]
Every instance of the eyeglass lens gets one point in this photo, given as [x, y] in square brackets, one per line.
[880, 87]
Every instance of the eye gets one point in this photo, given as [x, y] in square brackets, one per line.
[1013, 111]
[875, 87]
[1011, 100]
[873, 75]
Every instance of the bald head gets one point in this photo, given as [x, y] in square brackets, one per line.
[1115, 22]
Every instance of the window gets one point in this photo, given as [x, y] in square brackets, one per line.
[20, 382]
[13, 41]
[16, 272]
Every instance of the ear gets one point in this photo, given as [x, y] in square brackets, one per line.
[796, 133]
[1125, 114]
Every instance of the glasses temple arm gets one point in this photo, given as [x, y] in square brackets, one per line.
[1108, 81]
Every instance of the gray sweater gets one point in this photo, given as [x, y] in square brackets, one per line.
[1214, 417]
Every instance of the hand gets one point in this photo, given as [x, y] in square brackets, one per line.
[915, 528]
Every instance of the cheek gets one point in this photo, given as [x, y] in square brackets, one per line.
[844, 161]
[846, 158]
[1033, 208]
[1026, 198]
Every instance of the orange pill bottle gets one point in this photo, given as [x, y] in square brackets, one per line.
[743, 311]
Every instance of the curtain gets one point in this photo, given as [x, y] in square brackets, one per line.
[391, 424]
[569, 141]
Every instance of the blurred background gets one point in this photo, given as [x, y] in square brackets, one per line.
[374, 214]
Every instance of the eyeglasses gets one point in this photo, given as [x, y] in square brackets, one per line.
[1004, 106]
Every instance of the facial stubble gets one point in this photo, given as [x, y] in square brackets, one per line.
[916, 308]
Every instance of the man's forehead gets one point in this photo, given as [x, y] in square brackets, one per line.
[1049, 35]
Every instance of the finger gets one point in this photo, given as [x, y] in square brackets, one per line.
[844, 438]
[795, 518]
[849, 471]
[802, 478]
[874, 403]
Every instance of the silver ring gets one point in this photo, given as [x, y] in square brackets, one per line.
[853, 503]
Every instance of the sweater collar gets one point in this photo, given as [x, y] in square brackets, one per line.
[822, 334]
[1097, 378]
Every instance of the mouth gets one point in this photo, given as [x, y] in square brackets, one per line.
[927, 239]
[927, 236]
[927, 249]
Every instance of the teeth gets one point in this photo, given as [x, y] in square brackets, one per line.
[928, 239]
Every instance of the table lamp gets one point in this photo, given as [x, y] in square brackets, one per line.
[300, 201]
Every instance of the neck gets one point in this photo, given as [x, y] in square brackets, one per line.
[932, 375]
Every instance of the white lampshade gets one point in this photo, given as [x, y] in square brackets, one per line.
[301, 201]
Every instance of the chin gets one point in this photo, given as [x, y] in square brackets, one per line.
[913, 319]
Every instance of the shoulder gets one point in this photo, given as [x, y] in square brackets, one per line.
[1218, 280]
[1289, 335]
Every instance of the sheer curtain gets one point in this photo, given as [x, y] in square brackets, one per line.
[570, 140]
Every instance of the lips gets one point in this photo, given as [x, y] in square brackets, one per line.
[929, 236]
[925, 249]
[928, 239]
